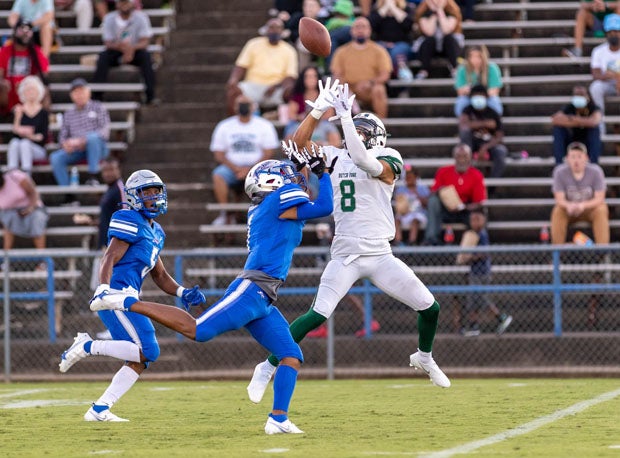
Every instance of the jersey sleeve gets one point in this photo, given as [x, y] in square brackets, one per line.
[394, 159]
[124, 226]
[292, 196]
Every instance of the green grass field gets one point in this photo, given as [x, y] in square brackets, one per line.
[344, 418]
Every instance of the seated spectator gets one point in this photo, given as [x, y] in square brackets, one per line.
[410, 202]
[83, 135]
[83, 10]
[339, 25]
[126, 35]
[40, 14]
[30, 126]
[391, 23]
[237, 143]
[577, 122]
[604, 65]
[18, 59]
[477, 69]
[464, 191]
[22, 212]
[439, 22]
[480, 127]
[590, 16]
[579, 191]
[467, 9]
[103, 7]
[265, 70]
[365, 66]
[306, 88]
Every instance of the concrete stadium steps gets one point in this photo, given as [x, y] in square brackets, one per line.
[183, 112]
[190, 7]
[174, 132]
[222, 20]
[189, 74]
[196, 54]
[222, 36]
[195, 92]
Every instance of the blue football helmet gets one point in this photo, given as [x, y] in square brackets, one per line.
[269, 175]
[134, 187]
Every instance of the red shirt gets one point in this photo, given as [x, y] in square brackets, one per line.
[16, 65]
[469, 185]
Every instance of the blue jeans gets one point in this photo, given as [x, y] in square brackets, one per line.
[463, 101]
[96, 150]
[562, 136]
[400, 48]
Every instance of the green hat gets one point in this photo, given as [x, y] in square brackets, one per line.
[344, 7]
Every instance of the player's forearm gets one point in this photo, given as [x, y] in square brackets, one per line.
[303, 134]
[324, 203]
[358, 152]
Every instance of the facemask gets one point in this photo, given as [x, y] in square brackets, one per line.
[273, 38]
[579, 101]
[613, 40]
[360, 40]
[244, 109]
[478, 102]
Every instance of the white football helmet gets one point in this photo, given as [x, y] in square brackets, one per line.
[139, 181]
[267, 176]
[370, 129]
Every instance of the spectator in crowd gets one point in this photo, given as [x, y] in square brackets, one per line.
[478, 69]
[391, 23]
[467, 9]
[265, 70]
[21, 210]
[30, 126]
[238, 143]
[365, 66]
[19, 59]
[126, 34]
[307, 88]
[577, 121]
[458, 189]
[339, 25]
[83, 9]
[439, 22]
[479, 274]
[40, 14]
[83, 135]
[579, 191]
[604, 65]
[410, 201]
[103, 7]
[590, 16]
[480, 127]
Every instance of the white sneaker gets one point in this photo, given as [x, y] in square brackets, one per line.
[75, 352]
[219, 221]
[504, 325]
[285, 427]
[258, 385]
[432, 369]
[104, 415]
[113, 301]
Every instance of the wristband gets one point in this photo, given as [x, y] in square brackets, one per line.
[316, 114]
[180, 290]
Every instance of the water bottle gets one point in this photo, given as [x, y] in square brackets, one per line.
[544, 234]
[448, 236]
[75, 177]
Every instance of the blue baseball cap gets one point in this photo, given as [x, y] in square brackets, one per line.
[611, 22]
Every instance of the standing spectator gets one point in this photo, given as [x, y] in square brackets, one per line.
[19, 59]
[590, 16]
[410, 201]
[21, 210]
[83, 135]
[126, 36]
[30, 126]
[83, 9]
[477, 69]
[577, 122]
[439, 22]
[40, 14]
[468, 184]
[238, 143]
[365, 66]
[391, 23]
[265, 70]
[579, 191]
[605, 65]
[480, 127]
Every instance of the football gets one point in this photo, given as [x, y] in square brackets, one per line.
[315, 37]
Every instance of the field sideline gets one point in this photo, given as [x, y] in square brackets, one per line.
[342, 418]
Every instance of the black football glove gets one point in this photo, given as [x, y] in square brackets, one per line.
[315, 160]
[295, 156]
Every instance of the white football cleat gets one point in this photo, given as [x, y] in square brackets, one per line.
[432, 369]
[260, 380]
[112, 301]
[75, 352]
[285, 427]
[104, 415]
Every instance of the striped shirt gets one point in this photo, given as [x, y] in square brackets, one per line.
[78, 123]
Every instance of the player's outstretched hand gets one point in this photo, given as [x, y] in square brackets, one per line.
[294, 155]
[321, 104]
[192, 297]
[315, 160]
[342, 102]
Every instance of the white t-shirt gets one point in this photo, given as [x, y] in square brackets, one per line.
[242, 142]
[605, 59]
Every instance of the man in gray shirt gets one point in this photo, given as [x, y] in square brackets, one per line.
[579, 191]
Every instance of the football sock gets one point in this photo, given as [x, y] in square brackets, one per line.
[427, 327]
[283, 387]
[278, 418]
[120, 349]
[122, 381]
[300, 327]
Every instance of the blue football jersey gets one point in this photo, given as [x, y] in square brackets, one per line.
[145, 243]
[271, 240]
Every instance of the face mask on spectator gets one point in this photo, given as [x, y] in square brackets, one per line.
[613, 40]
[479, 102]
[273, 38]
[579, 101]
[360, 40]
[244, 109]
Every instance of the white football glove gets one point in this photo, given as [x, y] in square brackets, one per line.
[294, 155]
[341, 102]
[321, 104]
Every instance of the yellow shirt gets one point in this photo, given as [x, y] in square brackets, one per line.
[355, 65]
[267, 64]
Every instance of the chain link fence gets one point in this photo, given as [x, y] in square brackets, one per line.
[562, 302]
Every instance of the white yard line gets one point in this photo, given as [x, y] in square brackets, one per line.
[14, 394]
[524, 428]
